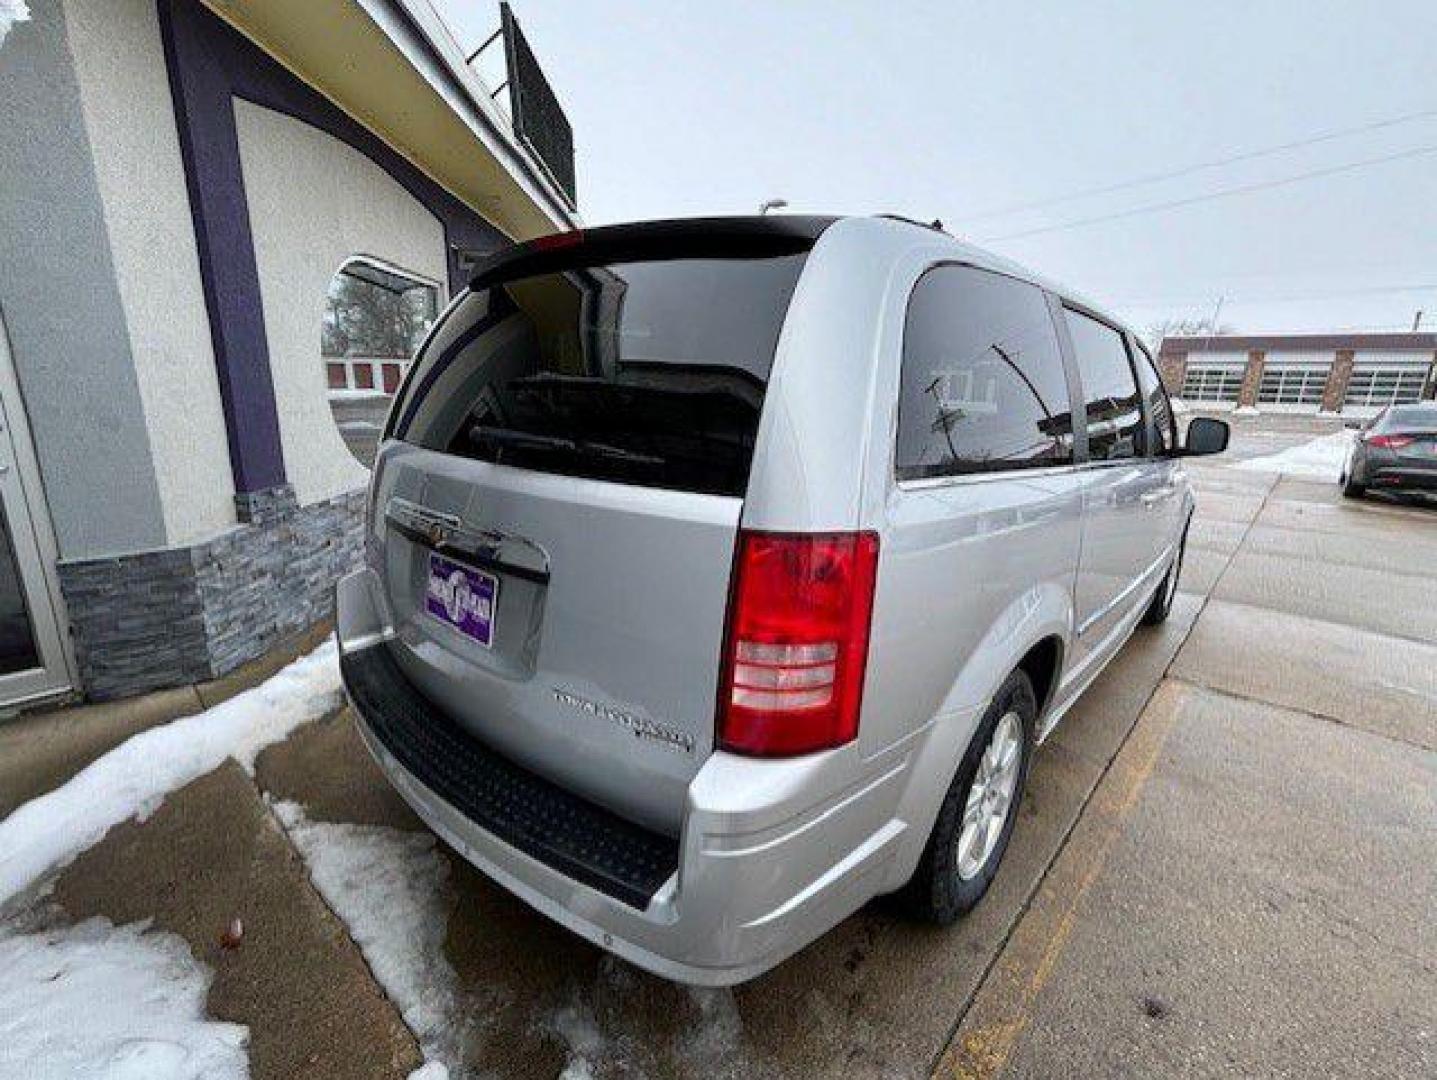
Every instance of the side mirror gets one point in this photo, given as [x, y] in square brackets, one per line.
[1206, 436]
[1353, 425]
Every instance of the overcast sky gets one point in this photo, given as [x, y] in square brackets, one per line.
[957, 110]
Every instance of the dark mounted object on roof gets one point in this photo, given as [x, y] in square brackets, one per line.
[539, 121]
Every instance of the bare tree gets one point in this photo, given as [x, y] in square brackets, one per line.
[1154, 334]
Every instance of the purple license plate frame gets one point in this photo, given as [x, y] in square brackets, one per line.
[462, 598]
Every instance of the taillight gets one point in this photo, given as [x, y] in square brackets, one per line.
[797, 641]
[1390, 442]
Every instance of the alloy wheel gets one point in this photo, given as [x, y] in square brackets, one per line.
[990, 797]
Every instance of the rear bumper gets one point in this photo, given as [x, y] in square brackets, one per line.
[1385, 470]
[772, 853]
[1404, 478]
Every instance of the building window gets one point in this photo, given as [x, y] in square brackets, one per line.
[1286, 384]
[1212, 382]
[375, 317]
[1381, 385]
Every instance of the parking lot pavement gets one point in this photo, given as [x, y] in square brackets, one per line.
[1250, 896]
[1250, 889]
[1224, 863]
[212, 853]
[879, 996]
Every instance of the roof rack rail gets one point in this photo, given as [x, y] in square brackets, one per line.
[936, 224]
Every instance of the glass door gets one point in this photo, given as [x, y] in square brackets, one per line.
[34, 659]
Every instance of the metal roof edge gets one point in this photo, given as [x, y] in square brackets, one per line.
[417, 30]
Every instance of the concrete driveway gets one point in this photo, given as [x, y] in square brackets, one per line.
[1226, 863]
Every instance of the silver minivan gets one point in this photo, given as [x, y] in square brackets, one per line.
[723, 574]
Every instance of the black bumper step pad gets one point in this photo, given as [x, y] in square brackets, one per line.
[570, 834]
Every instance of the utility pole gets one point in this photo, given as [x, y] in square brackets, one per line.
[1417, 321]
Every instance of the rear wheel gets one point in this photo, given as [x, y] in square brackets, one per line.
[1351, 488]
[977, 816]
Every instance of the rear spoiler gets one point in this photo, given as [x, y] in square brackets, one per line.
[652, 241]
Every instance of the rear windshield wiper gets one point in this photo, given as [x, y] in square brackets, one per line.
[528, 440]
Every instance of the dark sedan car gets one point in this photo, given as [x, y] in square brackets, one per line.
[1397, 451]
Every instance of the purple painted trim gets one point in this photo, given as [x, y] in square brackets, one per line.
[209, 65]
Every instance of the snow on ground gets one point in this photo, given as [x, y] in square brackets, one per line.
[12, 12]
[95, 1000]
[604, 1036]
[390, 888]
[1320, 459]
[133, 779]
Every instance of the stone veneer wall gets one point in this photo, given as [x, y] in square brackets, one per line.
[167, 618]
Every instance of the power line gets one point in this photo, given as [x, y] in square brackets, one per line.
[1288, 299]
[1188, 170]
[1245, 189]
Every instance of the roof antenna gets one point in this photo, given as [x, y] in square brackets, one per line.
[772, 204]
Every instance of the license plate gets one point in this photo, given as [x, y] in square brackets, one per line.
[463, 598]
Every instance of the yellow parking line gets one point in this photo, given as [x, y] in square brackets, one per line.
[1004, 1003]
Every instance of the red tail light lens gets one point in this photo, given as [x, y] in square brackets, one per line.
[797, 641]
[1390, 442]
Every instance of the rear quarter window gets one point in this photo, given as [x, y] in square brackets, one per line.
[646, 373]
[983, 387]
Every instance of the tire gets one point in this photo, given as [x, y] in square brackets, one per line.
[1351, 488]
[1162, 602]
[947, 884]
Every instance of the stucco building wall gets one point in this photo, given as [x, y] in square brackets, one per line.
[63, 308]
[129, 118]
[315, 202]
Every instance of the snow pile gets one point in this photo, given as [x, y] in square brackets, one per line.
[1320, 459]
[133, 779]
[12, 12]
[96, 1000]
[390, 888]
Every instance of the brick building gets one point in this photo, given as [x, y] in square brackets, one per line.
[1352, 374]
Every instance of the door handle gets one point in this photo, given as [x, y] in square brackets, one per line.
[1150, 499]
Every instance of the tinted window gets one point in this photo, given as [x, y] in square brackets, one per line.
[1409, 418]
[649, 373]
[983, 386]
[1115, 416]
[1161, 434]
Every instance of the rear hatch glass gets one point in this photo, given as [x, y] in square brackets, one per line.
[649, 373]
[558, 504]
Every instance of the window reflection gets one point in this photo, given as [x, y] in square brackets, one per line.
[1115, 416]
[983, 387]
[375, 318]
